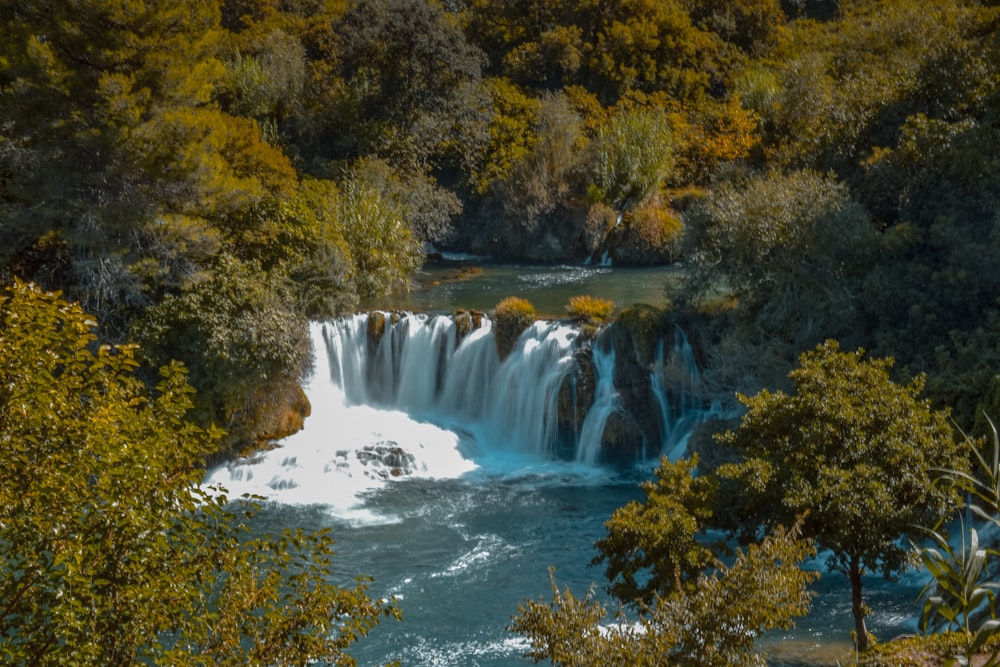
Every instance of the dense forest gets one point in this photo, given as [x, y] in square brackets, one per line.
[204, 177]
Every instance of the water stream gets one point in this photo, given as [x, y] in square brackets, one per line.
[438, 468]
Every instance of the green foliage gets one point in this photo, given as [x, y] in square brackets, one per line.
[608, 48]
[112, 553]
[632, 156]
[751, 25]
[961, 596]
[853, 452]
[714, 623]
[414, 82]
[550, 174]
[510, 318]
[244, 344]
[656, 547]
[382, 246]
[790, 248]
[427, 207]
[510, 133]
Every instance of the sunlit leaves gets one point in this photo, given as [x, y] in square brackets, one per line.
[853, 452]
[111, 553]
[714, 621]
[632, 156]
[658, 546]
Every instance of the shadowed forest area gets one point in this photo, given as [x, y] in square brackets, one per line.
[205, 177]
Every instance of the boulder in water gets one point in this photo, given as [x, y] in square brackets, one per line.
[387, 459]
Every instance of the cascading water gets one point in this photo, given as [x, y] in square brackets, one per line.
[410, 399]
[476, 513]
[605, 402]
[675, 386]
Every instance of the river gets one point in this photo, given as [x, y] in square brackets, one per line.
[453, 504]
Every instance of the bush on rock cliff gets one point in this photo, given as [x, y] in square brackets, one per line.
[512, 316]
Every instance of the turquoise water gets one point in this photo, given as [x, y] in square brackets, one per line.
[473, 532]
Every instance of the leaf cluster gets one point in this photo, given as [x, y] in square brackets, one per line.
[111, 551]
[714, 621]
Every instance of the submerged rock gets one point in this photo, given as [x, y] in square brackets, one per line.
[387, 459]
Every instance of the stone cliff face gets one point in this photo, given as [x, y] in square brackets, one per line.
[633, 428]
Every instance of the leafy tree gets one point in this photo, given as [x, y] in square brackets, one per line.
[853, 452]
[112, 553]
[511, 133]
[632, 156]
[750, 25]
[609, 48]
[542, 185]
[656, 547]
[245, 345]
[382, 247]
[790, 249]
[713, 623]
[413, 81]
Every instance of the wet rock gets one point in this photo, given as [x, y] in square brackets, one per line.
[387, 459]
[576, 394]
[624, 441]
[376, 328]
[283, 414]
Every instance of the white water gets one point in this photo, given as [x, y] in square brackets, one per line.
[481, 511]
[418, 405]
[605, 402]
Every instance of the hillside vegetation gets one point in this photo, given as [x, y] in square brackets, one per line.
[204, 177]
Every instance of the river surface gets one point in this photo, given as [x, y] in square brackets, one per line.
[473, 284]
[479, 519]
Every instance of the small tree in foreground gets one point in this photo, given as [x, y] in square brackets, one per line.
[658, 546]
[713, 624]
[111, 552]
[855, 453]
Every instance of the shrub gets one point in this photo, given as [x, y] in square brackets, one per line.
[512, 316]
[589, 309]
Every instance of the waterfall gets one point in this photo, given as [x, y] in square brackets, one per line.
[405, 395]
[675, 384]
[605, 402]
[419, 367]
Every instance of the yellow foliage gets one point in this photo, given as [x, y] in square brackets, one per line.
[710, 134]
[514, 307]
[589, 309]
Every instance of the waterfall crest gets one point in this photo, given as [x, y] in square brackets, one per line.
[418, 365]
[408, 395]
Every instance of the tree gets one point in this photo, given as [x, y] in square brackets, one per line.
[242, 339]
[853, 452]
[632, 156]
[413, 81]
[658, 546]
[790, 249]
[712, 624]
[112, 553]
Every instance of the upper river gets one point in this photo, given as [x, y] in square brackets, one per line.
[482, 511]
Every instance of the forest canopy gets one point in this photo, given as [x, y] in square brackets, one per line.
[151, 152]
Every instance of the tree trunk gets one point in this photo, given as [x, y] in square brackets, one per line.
[858, 606]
